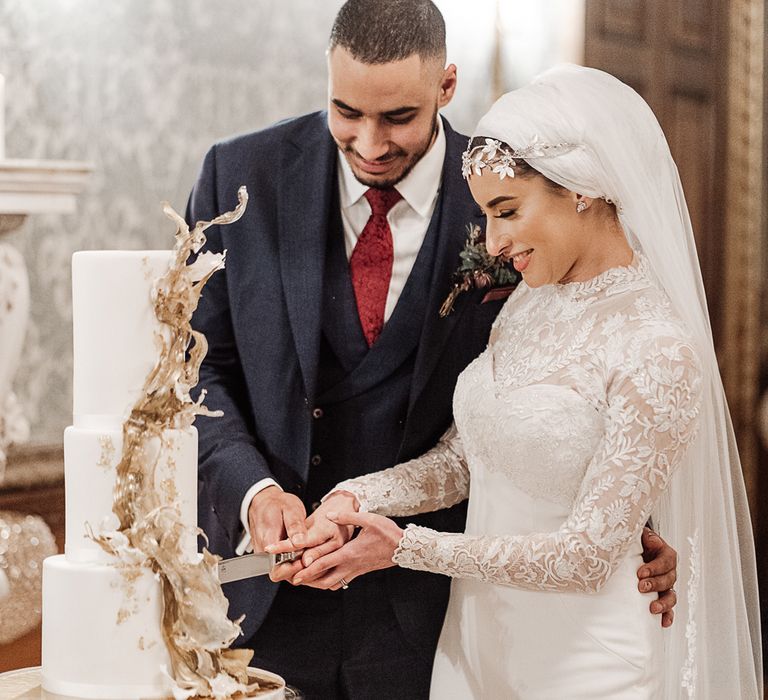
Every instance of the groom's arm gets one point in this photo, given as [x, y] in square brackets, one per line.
[232, 468]
[659, 573]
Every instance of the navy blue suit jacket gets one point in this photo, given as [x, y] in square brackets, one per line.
[262, 319]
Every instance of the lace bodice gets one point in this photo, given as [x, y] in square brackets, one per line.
[581, 406]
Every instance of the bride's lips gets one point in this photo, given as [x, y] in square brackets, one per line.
[520, 261]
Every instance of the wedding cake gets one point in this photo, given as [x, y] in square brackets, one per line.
[103, 614]
[100, 639]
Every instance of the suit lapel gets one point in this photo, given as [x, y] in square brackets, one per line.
[306, 185]
[456, 210]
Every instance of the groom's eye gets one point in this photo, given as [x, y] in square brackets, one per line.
[346, 114]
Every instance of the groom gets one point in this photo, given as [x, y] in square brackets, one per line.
[327, 354]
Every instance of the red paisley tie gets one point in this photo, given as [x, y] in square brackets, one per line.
[371, 262]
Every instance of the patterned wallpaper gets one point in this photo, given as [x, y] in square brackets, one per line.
[141, 89]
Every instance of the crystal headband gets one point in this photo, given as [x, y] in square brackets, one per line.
[501, 159]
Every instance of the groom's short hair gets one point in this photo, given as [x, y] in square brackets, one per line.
[382, 31]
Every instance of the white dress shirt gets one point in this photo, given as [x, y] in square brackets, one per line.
[408, 220]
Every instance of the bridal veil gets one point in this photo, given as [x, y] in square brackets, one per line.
[612, 147]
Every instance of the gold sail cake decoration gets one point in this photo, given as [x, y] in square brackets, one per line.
[123, 573]
[195, 626]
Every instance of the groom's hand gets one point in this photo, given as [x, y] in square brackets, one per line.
[274, 515]
[659, 573]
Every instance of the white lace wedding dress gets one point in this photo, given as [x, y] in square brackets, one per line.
[567, 429]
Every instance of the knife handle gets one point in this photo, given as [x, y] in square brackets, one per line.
[284, 557]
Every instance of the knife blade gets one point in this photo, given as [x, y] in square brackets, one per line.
[256, 564]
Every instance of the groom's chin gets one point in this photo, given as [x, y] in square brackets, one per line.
[383, 180]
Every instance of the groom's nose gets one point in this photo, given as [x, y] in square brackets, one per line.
[371, 140]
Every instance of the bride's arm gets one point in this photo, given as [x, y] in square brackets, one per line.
[438, 479]
[651, 417]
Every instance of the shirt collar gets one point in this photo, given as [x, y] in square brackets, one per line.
[419, 188]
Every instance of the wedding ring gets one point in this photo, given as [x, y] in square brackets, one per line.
[344, 584]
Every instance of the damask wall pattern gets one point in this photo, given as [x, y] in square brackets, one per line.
[141, 89]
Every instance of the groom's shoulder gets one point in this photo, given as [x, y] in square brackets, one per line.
[455, 141]
[270, 140]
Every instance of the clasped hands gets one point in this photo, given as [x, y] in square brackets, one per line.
[278, 523]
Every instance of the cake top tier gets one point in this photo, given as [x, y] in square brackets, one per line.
[115, 331]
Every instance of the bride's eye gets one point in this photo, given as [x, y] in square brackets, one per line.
[506, 214]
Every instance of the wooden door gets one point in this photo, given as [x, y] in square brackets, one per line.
[670, 51]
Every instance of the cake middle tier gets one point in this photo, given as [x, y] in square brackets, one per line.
[90, 469]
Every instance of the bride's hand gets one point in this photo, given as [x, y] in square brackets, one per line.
[371, 550]
[322, 536]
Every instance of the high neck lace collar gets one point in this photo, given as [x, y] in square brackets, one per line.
[611, 281]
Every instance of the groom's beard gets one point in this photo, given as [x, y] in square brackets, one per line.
[407, 164]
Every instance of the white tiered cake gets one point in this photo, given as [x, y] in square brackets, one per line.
[102, 616]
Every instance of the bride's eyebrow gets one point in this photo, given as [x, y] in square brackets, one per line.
[499, 200]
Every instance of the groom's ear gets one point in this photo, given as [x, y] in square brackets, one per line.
[447, 85]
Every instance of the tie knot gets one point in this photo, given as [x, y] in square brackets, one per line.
[382, 200]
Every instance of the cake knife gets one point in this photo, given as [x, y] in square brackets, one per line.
[248, 565]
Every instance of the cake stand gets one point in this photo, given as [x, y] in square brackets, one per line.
[24, 684]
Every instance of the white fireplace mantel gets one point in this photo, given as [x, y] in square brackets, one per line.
[27, 187]
[30, 186]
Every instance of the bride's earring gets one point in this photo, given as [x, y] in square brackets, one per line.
[581, 206]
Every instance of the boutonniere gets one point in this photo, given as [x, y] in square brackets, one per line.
[480, 270]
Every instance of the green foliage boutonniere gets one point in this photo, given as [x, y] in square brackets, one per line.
[479, 270]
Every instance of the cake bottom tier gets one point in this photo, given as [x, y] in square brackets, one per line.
[101, 632]
[102, 638]
[27, 682]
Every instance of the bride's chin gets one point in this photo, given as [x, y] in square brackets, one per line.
[535, 281]
[532, 280]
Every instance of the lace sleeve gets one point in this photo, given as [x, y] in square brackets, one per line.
[650, 419]
[438, 479]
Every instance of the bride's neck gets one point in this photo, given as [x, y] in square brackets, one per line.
[606, 250]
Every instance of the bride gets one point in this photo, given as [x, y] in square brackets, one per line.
[596, 406]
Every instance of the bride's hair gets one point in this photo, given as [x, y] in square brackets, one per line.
[522, 168]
